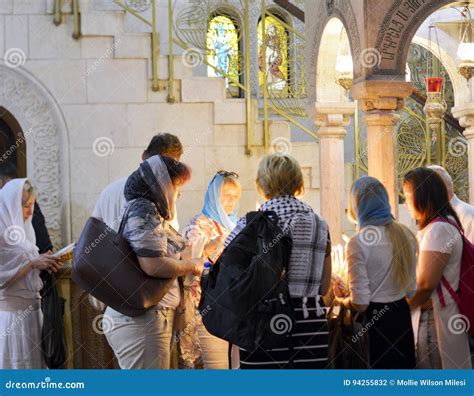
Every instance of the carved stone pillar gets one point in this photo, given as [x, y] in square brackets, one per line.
[380, 99]
[331, 120]
[465, 115]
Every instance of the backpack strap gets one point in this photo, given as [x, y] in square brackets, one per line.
[444, 282]
[454, 224]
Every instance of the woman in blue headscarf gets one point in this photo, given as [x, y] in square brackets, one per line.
[206, 233]
[381, 259]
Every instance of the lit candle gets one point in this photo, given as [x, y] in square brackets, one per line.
[339, 263]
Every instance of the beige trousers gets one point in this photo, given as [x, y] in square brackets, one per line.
[142, 342]
[215, 351]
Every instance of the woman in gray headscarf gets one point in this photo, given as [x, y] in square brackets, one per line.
[144, 342]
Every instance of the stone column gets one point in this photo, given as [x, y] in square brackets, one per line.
[331, 120]
[465, 115]
[380, 99]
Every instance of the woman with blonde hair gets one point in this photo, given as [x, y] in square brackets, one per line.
[280, 183]
[209, 229]
[382, 274]
[21, 318]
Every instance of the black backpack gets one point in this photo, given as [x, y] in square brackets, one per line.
[245, 298]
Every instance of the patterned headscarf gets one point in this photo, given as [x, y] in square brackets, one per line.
[152, 181]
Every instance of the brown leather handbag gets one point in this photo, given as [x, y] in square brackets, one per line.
[105, 266]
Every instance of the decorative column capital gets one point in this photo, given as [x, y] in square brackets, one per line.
[332, 118]
[381, 94]
[465, 115]
[381, 118]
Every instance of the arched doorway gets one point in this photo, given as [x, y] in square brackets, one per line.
[12, 142]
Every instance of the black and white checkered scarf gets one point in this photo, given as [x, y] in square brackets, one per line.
[310, 237]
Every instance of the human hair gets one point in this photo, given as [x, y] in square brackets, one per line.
[8, 170]
[403, 256]
[447, 179]
[369, 194]
[28, 191]
[231, 180]
[279, 174]
[430, 196]
[164, 144]
[179, 172]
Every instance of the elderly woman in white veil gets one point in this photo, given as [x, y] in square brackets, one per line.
[20, 264]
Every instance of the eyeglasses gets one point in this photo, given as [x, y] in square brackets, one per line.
[227, 174]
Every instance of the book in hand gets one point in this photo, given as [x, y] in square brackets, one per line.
[66, 252]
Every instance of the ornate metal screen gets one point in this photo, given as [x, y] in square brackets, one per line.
[416, 144]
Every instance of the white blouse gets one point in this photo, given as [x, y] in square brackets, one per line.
[369, 258]
[444, 238]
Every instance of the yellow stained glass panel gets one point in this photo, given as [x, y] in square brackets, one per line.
[275, 58]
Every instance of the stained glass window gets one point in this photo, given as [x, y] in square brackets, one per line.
[223, 51]
[274, 57]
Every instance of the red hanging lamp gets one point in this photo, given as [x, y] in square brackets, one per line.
[435, 106]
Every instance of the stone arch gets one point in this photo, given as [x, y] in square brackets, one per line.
[326, 73]
[46, 135]
[320, 16]
[13, 142]
[397, 29]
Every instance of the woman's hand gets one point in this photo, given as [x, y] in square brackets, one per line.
[47, 262]
[216, 244]
[198, 267]
[339, 287]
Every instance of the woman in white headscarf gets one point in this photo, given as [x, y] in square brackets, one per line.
[20, 264]
[145, 341]
[208, 229]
